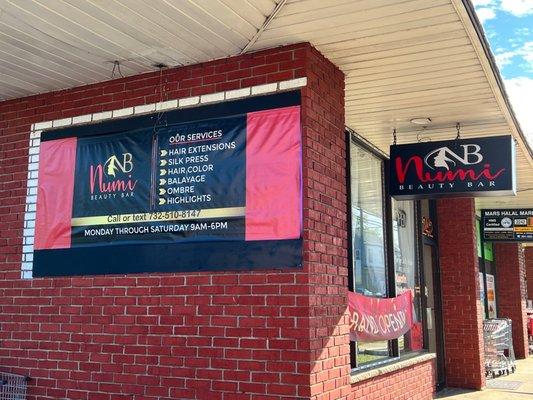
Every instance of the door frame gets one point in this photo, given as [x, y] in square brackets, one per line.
[422, 241]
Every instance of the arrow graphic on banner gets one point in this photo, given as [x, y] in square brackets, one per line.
[162, 201]
[163, 162]
[164, 153]
[162, 172]
[161, 191]
[162, 181]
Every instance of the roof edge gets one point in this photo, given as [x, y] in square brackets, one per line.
[469, 7]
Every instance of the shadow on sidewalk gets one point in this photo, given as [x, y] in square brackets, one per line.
[449, 392]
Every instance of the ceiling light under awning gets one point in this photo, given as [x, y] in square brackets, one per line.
[421, 121]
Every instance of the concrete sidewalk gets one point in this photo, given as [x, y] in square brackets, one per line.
[522, 380]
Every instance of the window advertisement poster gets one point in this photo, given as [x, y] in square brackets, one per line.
[212, 188]
[507, 225]
[491, 294]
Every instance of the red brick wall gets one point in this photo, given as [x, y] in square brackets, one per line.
[412, 383]
[211, 335]
[528, 255]
[265, 335]
[461, 308]
[511, 292]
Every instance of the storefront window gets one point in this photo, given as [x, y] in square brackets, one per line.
[407, 272]
[385, 237]
[368, 240]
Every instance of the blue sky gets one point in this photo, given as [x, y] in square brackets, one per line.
[508, 25]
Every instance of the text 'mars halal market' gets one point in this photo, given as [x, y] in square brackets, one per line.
[257, 200]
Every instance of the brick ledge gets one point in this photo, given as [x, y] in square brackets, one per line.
[356, 377]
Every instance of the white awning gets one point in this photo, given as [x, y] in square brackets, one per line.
[402, 58]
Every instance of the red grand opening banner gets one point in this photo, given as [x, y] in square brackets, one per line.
[374, 319]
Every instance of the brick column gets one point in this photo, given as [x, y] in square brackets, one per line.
[325, 227]
[461, 307]
[511, 292]
[528, 255]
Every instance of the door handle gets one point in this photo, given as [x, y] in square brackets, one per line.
[429, 317]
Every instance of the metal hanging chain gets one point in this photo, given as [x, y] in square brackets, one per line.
[161, 116]
[394, 138]
[159, 121]
[116, 67]
[161, 85]
[458, 127]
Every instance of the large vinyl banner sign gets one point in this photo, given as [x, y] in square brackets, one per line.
[217, 187]
[476, 167]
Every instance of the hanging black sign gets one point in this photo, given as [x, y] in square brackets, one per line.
[475, 167]
[507, 225]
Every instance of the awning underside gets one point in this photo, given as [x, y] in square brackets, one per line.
[402, 59]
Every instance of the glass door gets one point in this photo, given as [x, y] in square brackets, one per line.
[431, 288]
[433, 314]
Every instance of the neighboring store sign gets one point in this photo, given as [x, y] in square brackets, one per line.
[375, 319]
[473, 167]
[219, 192]
[491, 295]
[507, 225]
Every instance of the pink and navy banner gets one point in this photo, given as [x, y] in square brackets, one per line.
[375, 319]
[210, 188]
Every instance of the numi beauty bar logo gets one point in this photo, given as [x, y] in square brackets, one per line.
[463, 163]
[113, 178]
[443, 157]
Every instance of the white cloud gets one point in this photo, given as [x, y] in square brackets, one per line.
[487, 9]
[505, 58]
[483, 3]
[485, 13]
[525, 53]
[520, 91]
[518, 8]
[522, 31]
